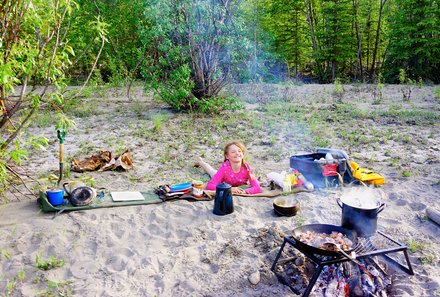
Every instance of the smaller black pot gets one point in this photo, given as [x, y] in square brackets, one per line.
[361, 220]
[285, 206]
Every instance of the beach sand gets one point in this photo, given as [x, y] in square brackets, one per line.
[180, 248]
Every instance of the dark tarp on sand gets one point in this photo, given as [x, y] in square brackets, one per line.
[149, 198]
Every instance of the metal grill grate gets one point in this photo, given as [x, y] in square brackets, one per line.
[377, 245]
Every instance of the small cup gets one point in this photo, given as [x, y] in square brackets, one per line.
[55, 196]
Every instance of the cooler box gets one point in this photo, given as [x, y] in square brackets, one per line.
[323, 175]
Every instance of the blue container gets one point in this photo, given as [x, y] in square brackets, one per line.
[55, 197]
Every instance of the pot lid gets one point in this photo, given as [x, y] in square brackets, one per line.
[361, 202]
[82, 196]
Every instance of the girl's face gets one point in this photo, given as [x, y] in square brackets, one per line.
[234, 154]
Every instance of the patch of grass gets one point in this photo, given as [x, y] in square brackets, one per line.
[21, 275]
[5, 254]
[86, 110]
[48, 264]
[10, 286]
[57, 289]
[406, 173]
[437, 92]
[166, 156]
[427, 259]
[299, 221]
[86, 147]
[120, 146]
[338, 90]
[412, 115]
[415, 246]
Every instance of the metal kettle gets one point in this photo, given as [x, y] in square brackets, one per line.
[223, 202]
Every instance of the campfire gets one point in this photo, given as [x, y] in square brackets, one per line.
[350, 279]
[363, 270]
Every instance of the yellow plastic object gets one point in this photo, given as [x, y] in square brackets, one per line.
[366, 175]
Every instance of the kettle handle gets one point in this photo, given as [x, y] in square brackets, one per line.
[65, 189]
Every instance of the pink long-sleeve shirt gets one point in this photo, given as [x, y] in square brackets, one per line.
[235, 179]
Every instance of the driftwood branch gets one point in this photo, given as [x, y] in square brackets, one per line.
[21, 180]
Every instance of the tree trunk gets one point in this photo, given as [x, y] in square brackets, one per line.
[376, 44]
[359, 40]
[308, 6]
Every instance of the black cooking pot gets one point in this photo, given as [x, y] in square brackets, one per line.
[323, 228]
[363, 220]
[80, 196]
[285, 206]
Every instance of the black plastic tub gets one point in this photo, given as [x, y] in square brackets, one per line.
[312, 170]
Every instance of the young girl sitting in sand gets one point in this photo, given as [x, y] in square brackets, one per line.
[234, 171]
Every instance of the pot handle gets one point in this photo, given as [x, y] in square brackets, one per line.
[65, 189]
[338, 200]
[380, 208]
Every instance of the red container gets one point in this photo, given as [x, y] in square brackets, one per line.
[330, 170]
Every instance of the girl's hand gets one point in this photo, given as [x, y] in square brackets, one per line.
[237, 190]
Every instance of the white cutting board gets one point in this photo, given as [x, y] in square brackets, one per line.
[127, 196]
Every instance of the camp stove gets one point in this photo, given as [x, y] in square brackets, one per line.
[377, 245]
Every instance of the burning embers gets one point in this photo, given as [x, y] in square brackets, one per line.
[350, 279]
[369, 279]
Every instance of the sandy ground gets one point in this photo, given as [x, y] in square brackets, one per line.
[180, 248]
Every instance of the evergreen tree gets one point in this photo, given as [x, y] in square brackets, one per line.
[336, 38]
[414, 41]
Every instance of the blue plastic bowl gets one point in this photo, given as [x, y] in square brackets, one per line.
[55, 197]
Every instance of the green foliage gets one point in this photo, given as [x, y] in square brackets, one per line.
[338, 89]
[191, 51]
[48, 264]
[57, 289]
[378, 91]
[123, 50]
[407, 84]
[437, 92]
[414, 40]
[215, 105]
[335, 34]
[35, 59]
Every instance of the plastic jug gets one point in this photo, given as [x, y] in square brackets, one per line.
[223, 202]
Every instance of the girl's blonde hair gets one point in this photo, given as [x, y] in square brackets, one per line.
[236, 143]
[243, 150]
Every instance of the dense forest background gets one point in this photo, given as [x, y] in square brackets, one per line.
[269, 40]
[186, 51]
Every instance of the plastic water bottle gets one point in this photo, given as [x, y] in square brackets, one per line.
[287, 186]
